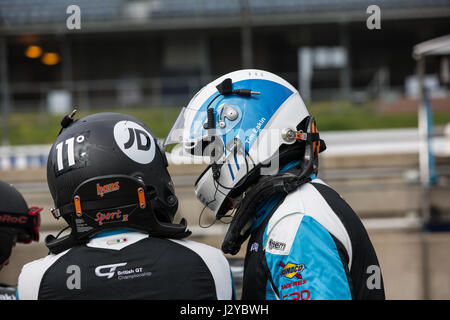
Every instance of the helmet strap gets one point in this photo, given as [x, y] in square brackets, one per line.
[282, 184]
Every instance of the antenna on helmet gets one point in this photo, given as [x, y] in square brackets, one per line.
[67, 120]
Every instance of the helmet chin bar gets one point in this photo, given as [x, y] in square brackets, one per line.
[213, 192]
[267, 186]
[113, 202]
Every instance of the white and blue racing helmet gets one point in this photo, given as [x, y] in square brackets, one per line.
[240, 122]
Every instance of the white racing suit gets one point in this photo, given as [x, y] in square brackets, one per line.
[310, 245]
[129, 265]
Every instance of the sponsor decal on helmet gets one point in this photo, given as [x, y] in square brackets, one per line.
[134, 141]
[254, 132]
[6, 218]
[71, 153]
[291, 270]
[111, 187]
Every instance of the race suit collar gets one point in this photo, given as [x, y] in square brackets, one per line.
[112, 233]
[267, 207]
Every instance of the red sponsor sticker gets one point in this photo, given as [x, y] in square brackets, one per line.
[6, 218]
[110, 217]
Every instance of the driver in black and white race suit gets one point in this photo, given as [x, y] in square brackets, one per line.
[109, 180]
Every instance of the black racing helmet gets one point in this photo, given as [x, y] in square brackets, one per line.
[16, 220]
[107, 171]
[11, 200]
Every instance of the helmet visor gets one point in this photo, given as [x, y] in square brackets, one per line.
[177, 133]
[190, 128]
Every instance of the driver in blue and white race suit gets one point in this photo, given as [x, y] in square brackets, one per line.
[304, 241]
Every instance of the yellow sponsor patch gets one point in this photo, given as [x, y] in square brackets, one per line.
[291, 270]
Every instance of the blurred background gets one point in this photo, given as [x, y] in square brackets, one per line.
[375, 74]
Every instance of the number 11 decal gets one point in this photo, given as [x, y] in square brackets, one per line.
[70, 143]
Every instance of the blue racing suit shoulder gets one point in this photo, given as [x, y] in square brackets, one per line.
[309, 267]
[310, 245]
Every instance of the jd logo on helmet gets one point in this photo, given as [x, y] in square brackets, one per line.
[138, 134]
[134, 141]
